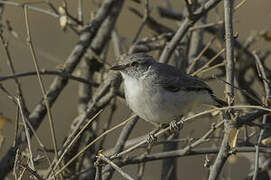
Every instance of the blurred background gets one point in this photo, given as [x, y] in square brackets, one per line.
[53, 45]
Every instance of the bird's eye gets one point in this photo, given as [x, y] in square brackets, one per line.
[172, 88]
[134, 63]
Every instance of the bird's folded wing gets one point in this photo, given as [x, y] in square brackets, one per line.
[172, 77]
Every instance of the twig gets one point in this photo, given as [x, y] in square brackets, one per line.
[98, 46]
[262, 74]
[196, 59]
[75, 139]
[98, 174]
[53, 14]
[191, 152]
[31, 165]
[34, 56]
[88, 68]
[91, 143]
[169, 13]
[196, 37]
[126, 131]
[100, 99]
[152, 23]
[58, 84]
[9, 95]
[229, 90]
[187, 23]
[145, 18]
[107, 125]
[80, 11]
[117, 43]
[169, 166]
[113, 165]
[19, 88]
[34, 173]
[242, 120]
[213, 67]
[243, 91]
[15, 164]
[48, 72]
[208, 63]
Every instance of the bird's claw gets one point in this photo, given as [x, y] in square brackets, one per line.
[152, 138]
[173, 126]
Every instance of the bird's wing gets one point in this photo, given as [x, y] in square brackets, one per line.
[172, 79]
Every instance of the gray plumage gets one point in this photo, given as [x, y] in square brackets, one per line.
[158, 92]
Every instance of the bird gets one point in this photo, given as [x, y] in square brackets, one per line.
[160, 93]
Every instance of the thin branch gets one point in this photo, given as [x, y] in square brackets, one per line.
[197, 58]
[262, 75]
[145, 18]
[113, 165]
[58, 84]
[126, 131]
[75, 138]
[191, 152]
[34, 56]
[187, 23]
[223, 154]
[242, 120]
[116, 43]
[31, 171]
[19, 88]
[48, 72]
[206, 65]
[53, 14]
[91, 143]
[31, 165]
[80, 11]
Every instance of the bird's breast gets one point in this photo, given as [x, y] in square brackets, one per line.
[148, 101]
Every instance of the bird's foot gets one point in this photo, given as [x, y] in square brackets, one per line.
[152, 138]
[174, 127]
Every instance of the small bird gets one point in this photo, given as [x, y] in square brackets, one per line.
[160, 93]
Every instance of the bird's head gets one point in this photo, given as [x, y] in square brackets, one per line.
[134, 65]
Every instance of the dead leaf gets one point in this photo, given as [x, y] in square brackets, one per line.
[266, 141]
[63, 18]
[266, 35]
[233, 137]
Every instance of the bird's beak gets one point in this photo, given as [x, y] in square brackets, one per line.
[119, 67]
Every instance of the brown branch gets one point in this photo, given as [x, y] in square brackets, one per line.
[223, 154]
[188, 22]
[48, 72]
[59, 83]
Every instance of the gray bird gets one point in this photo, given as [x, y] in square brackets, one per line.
[160, 93]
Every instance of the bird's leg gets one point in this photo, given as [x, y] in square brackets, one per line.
[173, 126]
[151, 139]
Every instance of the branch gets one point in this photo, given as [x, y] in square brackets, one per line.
[266, 83]
[188, 22]
[47, 72]
[59, 83]
[126, 131]
[192, 152]
[229, 89]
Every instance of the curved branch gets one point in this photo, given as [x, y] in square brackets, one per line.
[57, 73]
